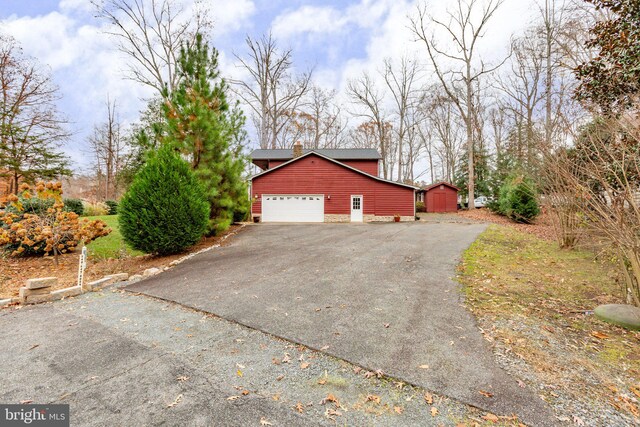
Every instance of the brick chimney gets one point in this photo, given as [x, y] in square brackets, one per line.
[297, 150]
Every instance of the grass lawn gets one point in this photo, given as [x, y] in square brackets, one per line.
[533, 302]
[111, 246]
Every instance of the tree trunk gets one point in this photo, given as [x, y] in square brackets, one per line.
[470, 149]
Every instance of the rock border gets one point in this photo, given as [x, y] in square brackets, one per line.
[38, 290]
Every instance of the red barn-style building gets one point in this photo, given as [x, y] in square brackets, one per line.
[439, 197]
[326, 186]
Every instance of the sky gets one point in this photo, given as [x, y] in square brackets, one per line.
[338, 39]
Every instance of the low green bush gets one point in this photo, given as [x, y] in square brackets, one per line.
[35, 206]
[112, 207]
[168, 218]
[420, 207]
[74, 205]
[518, 199]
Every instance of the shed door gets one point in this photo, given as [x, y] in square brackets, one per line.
[293, 208]
[439, 202]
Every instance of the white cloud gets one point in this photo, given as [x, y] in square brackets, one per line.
[76, 5]
[308, 19]
[233, 15]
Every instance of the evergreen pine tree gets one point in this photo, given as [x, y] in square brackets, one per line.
[207, 131]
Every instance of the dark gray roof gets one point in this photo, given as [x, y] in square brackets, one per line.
[337, 154]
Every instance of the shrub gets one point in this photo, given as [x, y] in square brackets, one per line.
[518, 199]
[420, 207]
[112, 207]
[74, 205]
[164, 219]
[54, 231]
[94, 209]
[35, 206]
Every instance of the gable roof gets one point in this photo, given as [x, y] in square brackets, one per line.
[312, 152]
[436, 184]
[337, 154]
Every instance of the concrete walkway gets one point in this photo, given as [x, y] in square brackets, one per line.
[380, 296]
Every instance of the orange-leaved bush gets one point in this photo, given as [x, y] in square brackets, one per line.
[49, 231]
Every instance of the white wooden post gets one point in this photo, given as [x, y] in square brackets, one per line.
[81, 267]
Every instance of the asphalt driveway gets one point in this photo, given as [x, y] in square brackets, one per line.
[380, 296]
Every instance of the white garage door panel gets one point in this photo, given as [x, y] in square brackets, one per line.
[293, 208]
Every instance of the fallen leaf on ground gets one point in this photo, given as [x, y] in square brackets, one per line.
[373, 398]
[434, 411]
[330, 398]
[245, 392]
[486, 393]
[264, 422]
[635, 390]
[286, 358]
[332, 413]
[304, 365]
[491, 417]
[183, 378]
[379, 373]
[357, 369]
[599, 335]
[175, 402]
[240, 366]
[326, 347]
[34, 346]
[275, 361]
[239, 373]
[398, 409]
[279, 377]
[322, 381]
[423, 366]
[386, 325]
[428, 397]
[25, 402]
[233, 397]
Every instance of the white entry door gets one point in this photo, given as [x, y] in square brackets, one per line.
[356, 208]
[293, 208]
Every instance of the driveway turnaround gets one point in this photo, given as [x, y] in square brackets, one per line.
[120, 359]
[380, 296]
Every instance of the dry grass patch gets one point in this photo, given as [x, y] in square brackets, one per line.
[534, 303]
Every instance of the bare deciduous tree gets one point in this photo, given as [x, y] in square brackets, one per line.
[601, 178]
[271, 91]
[458, 69]
[109, 148]
[446, 127]
[150, 33]
[369, 101]
[401, 82]
[319, 123]
[31, 128]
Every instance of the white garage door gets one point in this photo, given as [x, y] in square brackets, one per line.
[293, 208]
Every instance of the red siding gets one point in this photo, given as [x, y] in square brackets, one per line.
[443, 199]
[367, 166]
[315, 175]
[274, 163]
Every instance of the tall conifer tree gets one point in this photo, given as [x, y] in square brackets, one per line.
[208, 132]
